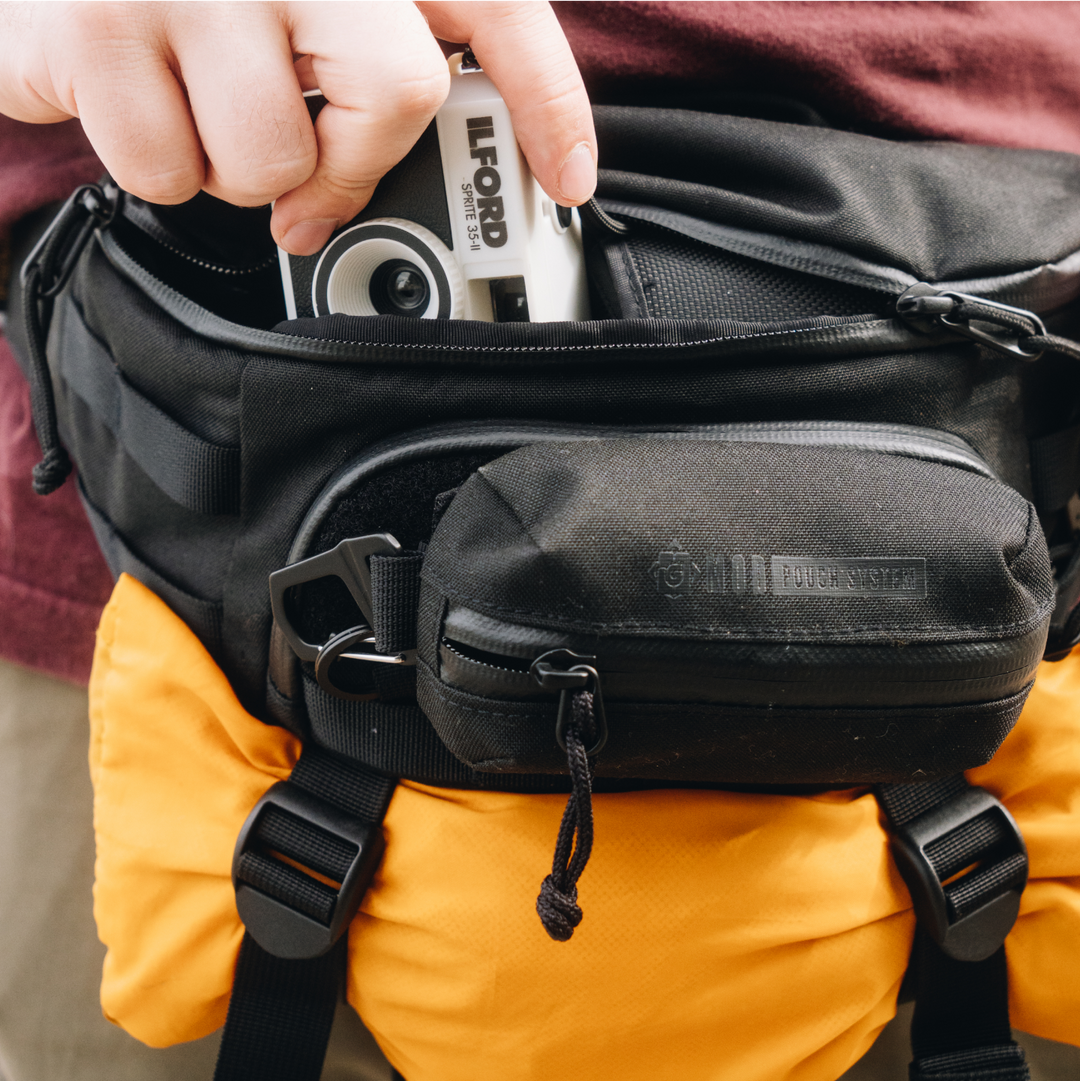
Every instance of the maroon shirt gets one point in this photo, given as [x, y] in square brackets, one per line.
[53, 579]
[999, 73]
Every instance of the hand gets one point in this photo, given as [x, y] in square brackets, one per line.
[178, 97]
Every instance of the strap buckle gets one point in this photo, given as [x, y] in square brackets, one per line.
[290, 912]
[969, 916]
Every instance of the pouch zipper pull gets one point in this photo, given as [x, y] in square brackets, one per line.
[1013, 331]
[567, 672]
[580, 719]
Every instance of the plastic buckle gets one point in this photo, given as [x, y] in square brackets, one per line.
[980, 933]
[277, 927]
[349, 562]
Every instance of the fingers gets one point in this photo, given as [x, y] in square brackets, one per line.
[106, 64]
[111, 68]
[522, 47]
[245, 100]
[178, 97]
[25, 86]
[384, 78]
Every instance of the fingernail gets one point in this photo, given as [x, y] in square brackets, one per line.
[577, 177]
[307, 237]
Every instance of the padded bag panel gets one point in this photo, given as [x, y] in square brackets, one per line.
[288, 408]
[769, 908]
[939, 211]
[759, 612]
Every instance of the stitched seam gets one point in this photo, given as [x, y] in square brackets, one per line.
[578, 348]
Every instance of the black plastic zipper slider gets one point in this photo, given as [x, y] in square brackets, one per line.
[567, 672]
[1013, 331]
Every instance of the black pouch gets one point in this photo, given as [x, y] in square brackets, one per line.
[808, 604]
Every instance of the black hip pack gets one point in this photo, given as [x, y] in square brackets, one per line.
[796, 509]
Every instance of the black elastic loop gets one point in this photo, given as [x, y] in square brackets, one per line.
[55, 465]
[395, 595]
[557, 904]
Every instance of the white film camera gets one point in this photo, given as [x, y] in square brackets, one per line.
[458, 230]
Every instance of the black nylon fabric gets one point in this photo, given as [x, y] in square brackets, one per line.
[713, 742]
[638, 538]
[938, 210]
[1055, 467]
[303, 419]
[299, 403]
[675, 278]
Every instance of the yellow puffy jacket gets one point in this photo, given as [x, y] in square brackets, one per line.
[752, 937]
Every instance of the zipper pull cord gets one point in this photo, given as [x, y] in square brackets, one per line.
[557, 904]
[55, 464]
[1016, 332]
[42, 277]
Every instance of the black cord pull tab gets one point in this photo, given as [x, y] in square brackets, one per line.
[42, 277]
[1013, 331]
[581, 730]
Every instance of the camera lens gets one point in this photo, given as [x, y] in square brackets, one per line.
[398, 287]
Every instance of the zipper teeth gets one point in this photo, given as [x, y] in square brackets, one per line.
[269, 261]
[456, 648]
[308, 348]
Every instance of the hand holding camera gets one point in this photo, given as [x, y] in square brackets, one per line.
[460, 229]
[178, 98]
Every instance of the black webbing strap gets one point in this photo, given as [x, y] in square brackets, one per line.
[325, 818]
[395, 594]
[197, 474]
[960, 1030]
[279, 1016]
[904, 802]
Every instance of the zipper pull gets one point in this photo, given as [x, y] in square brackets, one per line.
[42, 277]
[568, 673]
[1012, 331]
[48, 267]
[580, 719]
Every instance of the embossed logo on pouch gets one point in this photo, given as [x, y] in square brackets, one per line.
[678, 573]
[862, 576]
[674, 572]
